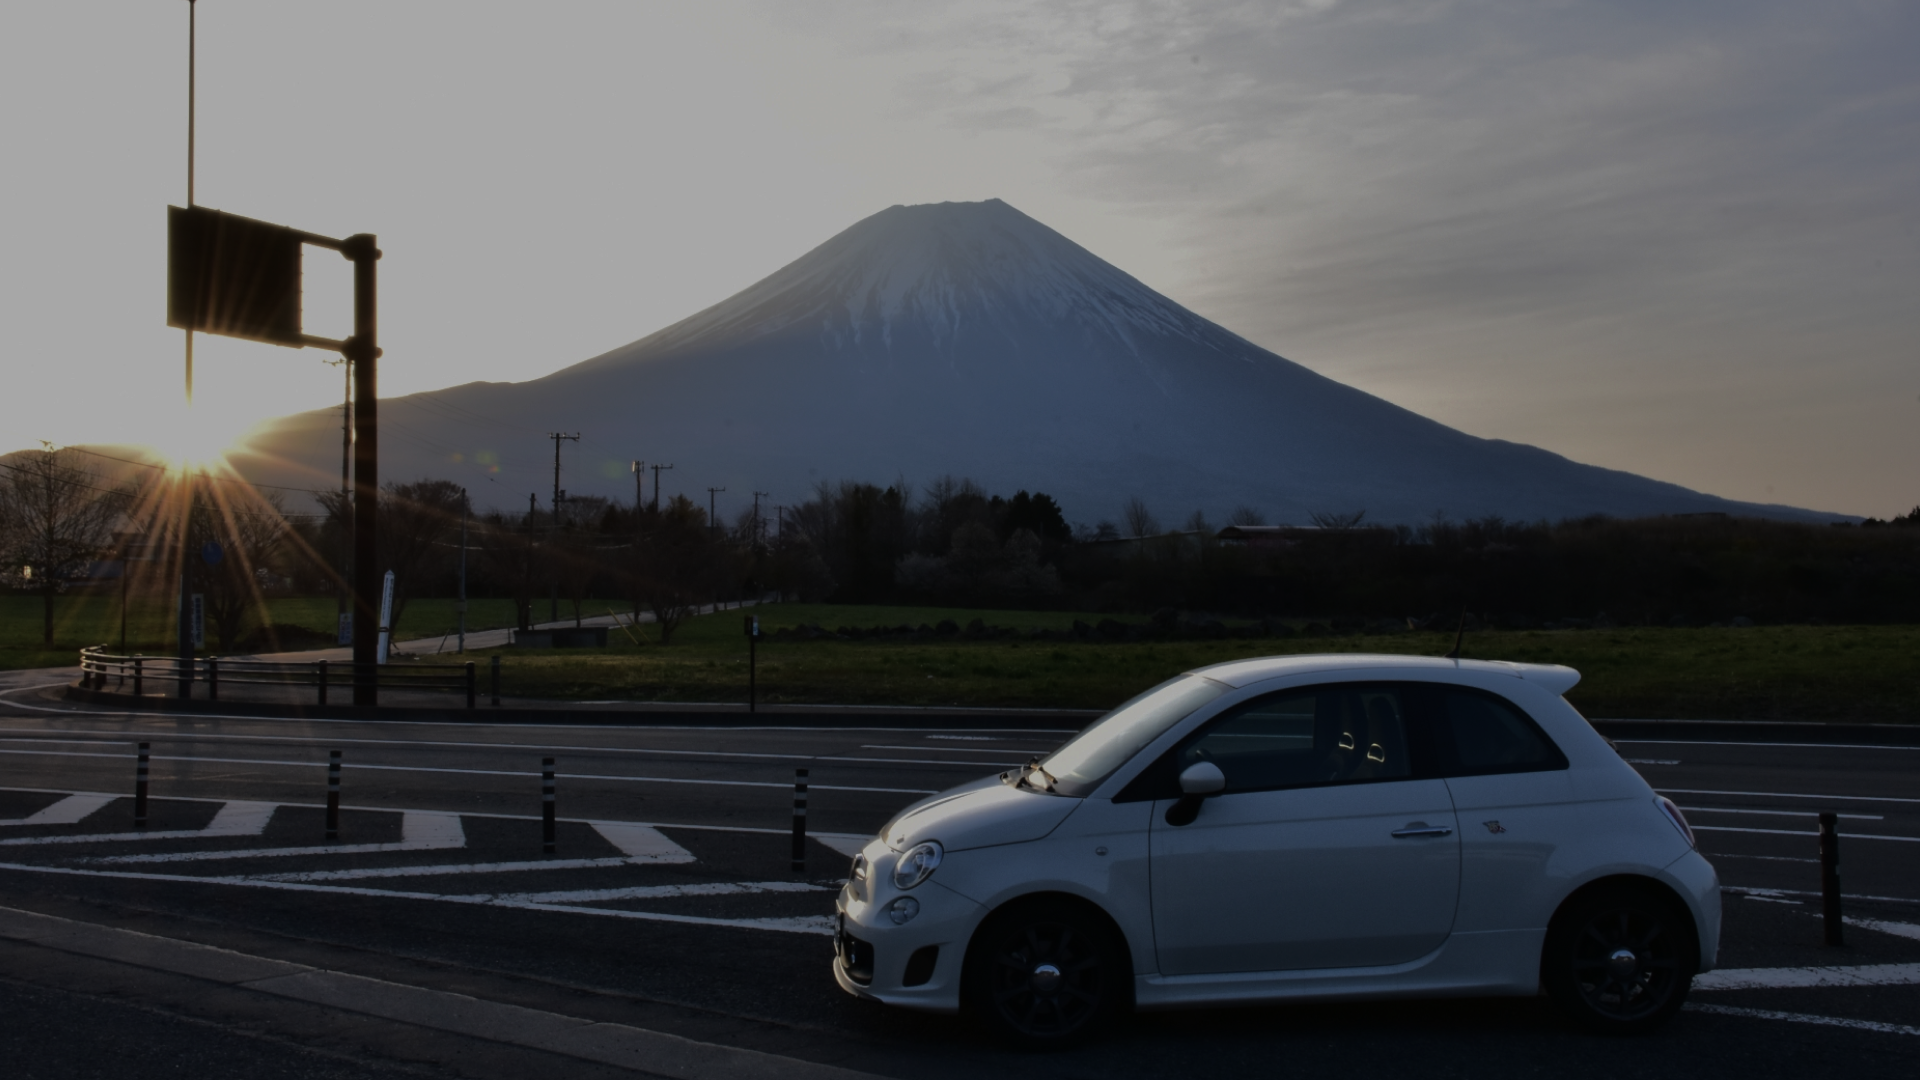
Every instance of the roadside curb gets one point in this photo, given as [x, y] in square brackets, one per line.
[662, 715]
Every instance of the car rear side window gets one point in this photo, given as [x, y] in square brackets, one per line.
[1484, 734]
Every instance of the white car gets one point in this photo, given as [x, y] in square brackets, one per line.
[1292, 828]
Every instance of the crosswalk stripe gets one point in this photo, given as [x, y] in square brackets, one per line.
[419, 830]
[642, 843]
[68, 811]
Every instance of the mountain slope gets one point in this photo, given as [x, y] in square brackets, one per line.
[969, 339]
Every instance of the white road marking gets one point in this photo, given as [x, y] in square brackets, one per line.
[442, 870]
[845, 845]
[419, 831]
[827, 838]
[812, 924]
[1788, 745]
[1782, 795]
[1806, 832]
[1650, 761]
[1767, 858]
[234, 818]
[1775, 813]
[517, 773]
[1804, 1018]
[642, 843]
[515, 747]
[654, 892]
[240, 819]
[1803, 892]
[961, 749]
[1798, 977]
[951, 764]
[1897, 929]
[68, 811]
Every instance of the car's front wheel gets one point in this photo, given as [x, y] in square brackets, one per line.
[1620, 960]
[1046, 974]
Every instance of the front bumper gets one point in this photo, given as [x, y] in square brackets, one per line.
[915, 965]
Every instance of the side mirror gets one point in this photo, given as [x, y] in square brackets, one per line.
[1202, 778]
[1197, 781]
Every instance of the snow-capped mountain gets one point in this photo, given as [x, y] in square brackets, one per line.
[969, 339]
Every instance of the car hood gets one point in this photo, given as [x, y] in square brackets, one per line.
[984, 813]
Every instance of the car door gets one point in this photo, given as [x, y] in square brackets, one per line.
[1515, 802]
[1326, 849]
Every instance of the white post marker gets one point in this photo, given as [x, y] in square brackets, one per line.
[386, 619]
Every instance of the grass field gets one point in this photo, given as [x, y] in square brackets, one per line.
[1858, 673]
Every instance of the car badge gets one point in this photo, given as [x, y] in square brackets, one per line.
[1494, 827]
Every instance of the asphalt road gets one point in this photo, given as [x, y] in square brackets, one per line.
[669, 906]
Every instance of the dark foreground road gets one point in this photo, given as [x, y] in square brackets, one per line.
[668, 935]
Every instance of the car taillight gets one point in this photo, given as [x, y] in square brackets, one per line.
[1674, 815]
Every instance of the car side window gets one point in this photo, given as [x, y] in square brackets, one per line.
[1299, 738]
[1489, 735]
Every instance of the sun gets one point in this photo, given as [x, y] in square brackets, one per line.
[191, 440]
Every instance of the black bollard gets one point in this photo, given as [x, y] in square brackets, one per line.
[140, 788]
[320, 679]
[1830, 876]
[494, 665]
[333, 795]
[546, 805]
[799, 819]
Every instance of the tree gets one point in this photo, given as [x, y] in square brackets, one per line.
[1140, 521]
[1246, 515]
[250, 535]
[674, 563]
[57, 519]
[415, 521]
[509, 550]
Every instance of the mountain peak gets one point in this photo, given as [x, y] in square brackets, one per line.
[951, 270]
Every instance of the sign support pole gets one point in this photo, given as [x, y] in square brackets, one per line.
[363, 351]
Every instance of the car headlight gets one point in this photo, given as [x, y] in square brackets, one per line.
[917, 864]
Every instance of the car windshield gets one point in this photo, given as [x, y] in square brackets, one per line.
[1087, 758]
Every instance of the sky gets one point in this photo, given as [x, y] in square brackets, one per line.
[1677, 239]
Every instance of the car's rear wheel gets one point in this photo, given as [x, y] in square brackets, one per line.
[1046, 974]
[1619, 960]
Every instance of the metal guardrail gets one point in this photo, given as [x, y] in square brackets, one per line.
[98, 668]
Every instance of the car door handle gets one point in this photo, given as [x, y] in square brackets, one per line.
[1421, 829]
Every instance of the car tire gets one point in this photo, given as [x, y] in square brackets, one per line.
[1619, 960]
[1046, 975]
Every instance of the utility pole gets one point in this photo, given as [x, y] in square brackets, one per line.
[558, 495]
[531, 501]
[639, 484]
[757, 496]
[184, 623]
[466, 511]
[553, 609]
[713, 521]
[779, 522]
[656, 484]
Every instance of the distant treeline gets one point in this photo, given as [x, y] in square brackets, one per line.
[953, 543]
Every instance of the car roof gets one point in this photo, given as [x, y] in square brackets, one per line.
[1553, 678]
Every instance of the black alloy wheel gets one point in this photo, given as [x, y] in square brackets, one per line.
[1045, 975]
[1620, 961]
